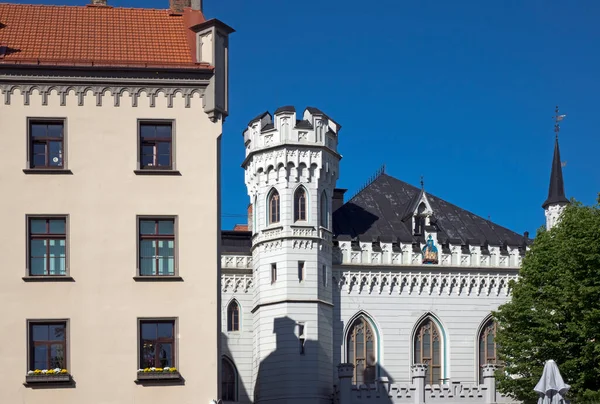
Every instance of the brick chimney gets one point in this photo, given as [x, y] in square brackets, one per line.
[177, 6]
[98, 3]
[338, 198]
[250, 218]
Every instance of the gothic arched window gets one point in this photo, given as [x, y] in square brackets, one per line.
[300, 204]
[274, 210]
[228, 381]
[324, 210]
[428, 350]
[233, 316]
[487, 346]
[360, 345]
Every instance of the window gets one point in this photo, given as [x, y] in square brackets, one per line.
[157, 343]
[47, 246]
[228, 381]
[419, 219]
[47, 345]
[156, 141]
[302, 337]
[324, 211]
[46, 144]
[273, 273]
[233, 316]
[427, 350]
[300, 271]
[300, 204]
[274, 213]
[156, 247]
[487, 346]
[361, 351]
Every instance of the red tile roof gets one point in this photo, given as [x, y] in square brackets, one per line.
[240, 227]
[94, 35]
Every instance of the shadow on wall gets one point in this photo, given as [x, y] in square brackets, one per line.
[294, 369]
[232, 386]
[357, 343]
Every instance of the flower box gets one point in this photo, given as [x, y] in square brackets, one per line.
[48, 378]
[153, 375]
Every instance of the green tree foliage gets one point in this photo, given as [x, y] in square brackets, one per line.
[554, 312]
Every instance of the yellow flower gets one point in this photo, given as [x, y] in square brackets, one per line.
[173, 370]
[146, 370]
[50, 371]
[159, 369]
[64, 371]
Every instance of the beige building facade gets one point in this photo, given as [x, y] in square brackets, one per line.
[110, 178]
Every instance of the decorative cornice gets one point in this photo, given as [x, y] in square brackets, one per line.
[419, 283]
[236, 261]
[99, 91]
[234, 283]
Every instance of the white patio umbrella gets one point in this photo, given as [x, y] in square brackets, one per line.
[551, 387]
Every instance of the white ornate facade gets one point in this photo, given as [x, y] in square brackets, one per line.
[391, 279]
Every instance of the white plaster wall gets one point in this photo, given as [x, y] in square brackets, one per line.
[237, 345]
[396, 316]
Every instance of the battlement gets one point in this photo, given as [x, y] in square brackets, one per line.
[417, 392]
[314, 128]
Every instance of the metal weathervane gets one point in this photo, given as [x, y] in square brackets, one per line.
[557, 118]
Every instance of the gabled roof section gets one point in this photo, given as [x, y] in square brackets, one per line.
[378, 210]
[413, 207]
[556, 190]
[97, 36]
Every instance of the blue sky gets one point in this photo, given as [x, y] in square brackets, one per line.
[461, 92]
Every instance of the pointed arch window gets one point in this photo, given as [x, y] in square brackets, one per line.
[228, 381]
[428, 350]
[324, 217]
[300, 204]
[274, 207]
[487, 346]
[361, 352]
[233, 316]
[420, 219]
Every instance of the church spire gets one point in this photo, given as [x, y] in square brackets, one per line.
[556, 190]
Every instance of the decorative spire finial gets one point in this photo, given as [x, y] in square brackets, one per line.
[422, 183]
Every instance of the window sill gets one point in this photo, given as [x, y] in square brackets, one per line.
[156, 172]
[61, 380]
[48, 278]
[159, 378]
[158, 278]
[58, 171]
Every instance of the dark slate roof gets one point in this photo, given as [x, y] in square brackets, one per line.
[378, 210]
[258, 118]
[287, 108]
[300, 124]
[267, 127]
[236, 242]
[556, 190]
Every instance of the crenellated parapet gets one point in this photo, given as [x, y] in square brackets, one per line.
[281, 149]
[416, 391]
[377, 253]
[424, 283]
